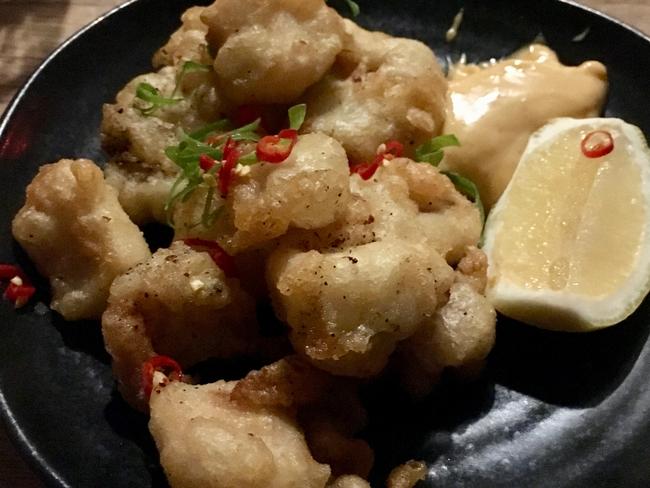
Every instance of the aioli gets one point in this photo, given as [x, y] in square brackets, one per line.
[494, 108]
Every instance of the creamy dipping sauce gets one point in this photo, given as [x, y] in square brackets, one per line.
[495, 107]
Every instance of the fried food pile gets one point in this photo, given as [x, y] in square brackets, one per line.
[336, 214]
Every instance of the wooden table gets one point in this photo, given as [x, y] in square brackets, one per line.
[31, 29]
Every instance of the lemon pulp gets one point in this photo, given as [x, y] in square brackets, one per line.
[573, 222]
[567, 243]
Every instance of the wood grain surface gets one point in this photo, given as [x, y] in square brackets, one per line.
[31, 29]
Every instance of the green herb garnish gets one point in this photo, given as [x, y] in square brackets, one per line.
[189, 67]
[218, 126]
[354, 7]
[468, 188]
[248, 159]
[186, 155]
[432, 151]
[208, 216]
[297, 115]
[151, 95]
[245, 133]
[189, 151]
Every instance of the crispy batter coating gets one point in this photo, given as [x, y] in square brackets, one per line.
[415, 202]
[308, 190]
[380, 88]
[404, 199]
[407, 475]
[472, 269]
[188, 43]
[328, 408]
[461, 333]
[207, 440]
[352, 291]
[463, 329]
[289, 383]
[270, 51]
[349, 481]
[178, 304]
[136, 143]
[331, 445]
[348, 309]
[75, 231]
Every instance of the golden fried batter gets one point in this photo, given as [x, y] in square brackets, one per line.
[327, 407]
[188, 43]
[348, 309]
[380, 88]
[270, 51]
[207, 440]
[138, 167]
[75, 231]
[461, 333]
[308, 190]
[415, 202]
[407, 475]
[178, 304]
[349, 481]
[350, 292]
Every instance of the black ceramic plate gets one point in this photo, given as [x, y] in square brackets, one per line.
[552, 409]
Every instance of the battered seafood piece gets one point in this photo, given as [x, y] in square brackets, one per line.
[178, 304]
[188, 43]
[349, 481]
[352, 291]
[308, 190]
[461, 334]
[270, 51]
[348, 309]
[139, 168]
[415, 202]
[381, 88]
[327, 407]
[76, 233]
[494, 109]
[407, 475]
[205, 439]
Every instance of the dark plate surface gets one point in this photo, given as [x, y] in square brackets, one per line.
[552, 409]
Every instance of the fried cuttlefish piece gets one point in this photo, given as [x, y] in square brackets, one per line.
[178, 304]
[187, 43]
[287, 425]
[380, 88]
[308, 190]
[353, 291]
[349, 481]
[138, 167]
[407, 475]
[270, 51]
[460, 335]
[74, 230]
[415, 202]
[327, 408]
[206, 439]
[348, 309]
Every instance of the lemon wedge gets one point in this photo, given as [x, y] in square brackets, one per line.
[568, 242]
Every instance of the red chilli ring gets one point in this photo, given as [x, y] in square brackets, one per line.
[165, 365]
[597, 144]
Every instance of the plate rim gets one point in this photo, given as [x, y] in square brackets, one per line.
[17, 438]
